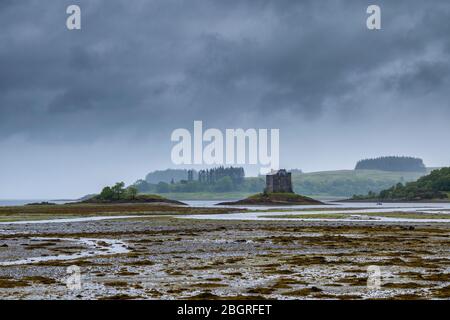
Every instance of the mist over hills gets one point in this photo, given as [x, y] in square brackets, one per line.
[370, 175]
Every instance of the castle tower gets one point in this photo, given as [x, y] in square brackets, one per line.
[279, 182]
[190, 175]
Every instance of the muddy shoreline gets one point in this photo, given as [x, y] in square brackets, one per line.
[171, 258]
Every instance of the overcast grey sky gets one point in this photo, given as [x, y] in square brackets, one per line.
[81, 109]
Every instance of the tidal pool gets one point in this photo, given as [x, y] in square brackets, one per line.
[95, 247]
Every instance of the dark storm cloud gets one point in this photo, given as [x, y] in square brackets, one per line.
[81, 109]
[422, 77]
[164, 62]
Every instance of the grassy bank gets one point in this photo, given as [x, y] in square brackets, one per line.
[43, 212]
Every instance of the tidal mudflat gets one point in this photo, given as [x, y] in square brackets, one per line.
[168, 257]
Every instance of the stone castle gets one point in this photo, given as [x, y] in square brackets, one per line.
[279, 182]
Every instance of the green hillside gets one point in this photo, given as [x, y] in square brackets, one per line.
[434, 186]
[346, 183]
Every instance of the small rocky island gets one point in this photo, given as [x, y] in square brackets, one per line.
[278, 192]
[274, 199]
[119, 194]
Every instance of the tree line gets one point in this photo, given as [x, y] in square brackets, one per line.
[402, 164]
[220, 179]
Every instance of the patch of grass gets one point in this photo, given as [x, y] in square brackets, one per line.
[306, 260]
[65, 263]
[204, 296]
[437, 277]
[175, 273]
[12, 283]
[140, 263]
[120, 297]
[42, 212]
[303, 292]
[286, 283]
[234, 260]
[278, 271]
[33, 217]
[402, 285]
[206, 267]
[40, 279]
[234, 274]
[344, 297]
[40, 245]
[116, 284]
[407, 296]
[443, 292]
[353, 281]
[127, 273]
[209, 296]
[416, 262]
[441, 277]
[355, 271]
[209, 285]
[309, 216]
[261, 290]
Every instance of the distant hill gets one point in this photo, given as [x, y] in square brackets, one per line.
[395, 164]
[435, 186]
